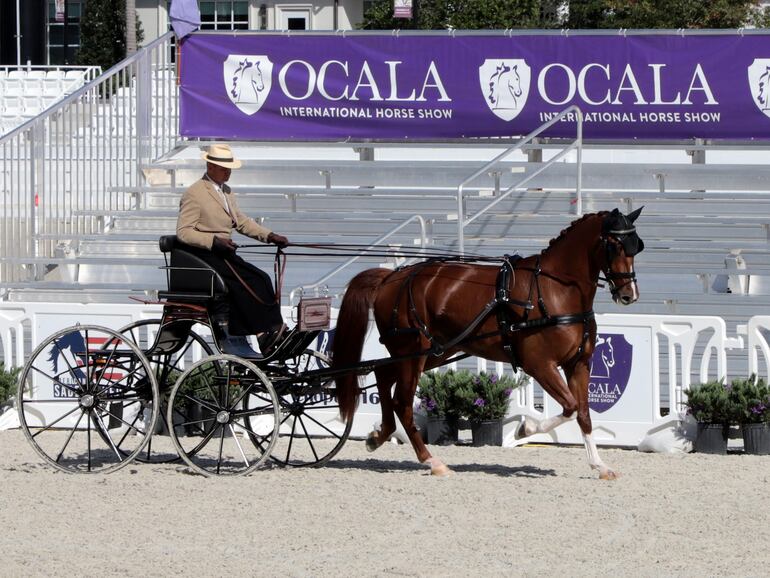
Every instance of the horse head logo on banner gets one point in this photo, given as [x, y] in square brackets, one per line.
[505, 86]
[759, 84]
[610, 371]
[248, 80]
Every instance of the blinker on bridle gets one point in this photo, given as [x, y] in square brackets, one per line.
[630, 248]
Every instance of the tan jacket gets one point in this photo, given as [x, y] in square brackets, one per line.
[202, 216]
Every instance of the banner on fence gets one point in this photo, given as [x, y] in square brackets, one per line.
[311, 87]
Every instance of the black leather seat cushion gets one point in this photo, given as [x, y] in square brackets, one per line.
[188, 273]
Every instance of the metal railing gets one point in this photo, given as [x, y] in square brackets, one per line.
[423, 243]
[577, 144]
[83, 154]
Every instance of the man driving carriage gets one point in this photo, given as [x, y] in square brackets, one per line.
[208, 213]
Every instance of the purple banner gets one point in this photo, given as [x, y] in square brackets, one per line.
[279, 87]
[610, 370]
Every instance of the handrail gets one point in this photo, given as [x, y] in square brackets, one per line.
[322, 280]
[577, 143]
[85, 89]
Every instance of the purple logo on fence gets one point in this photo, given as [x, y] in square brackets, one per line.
[248, 80]
[505, 86]
[759, 82]
[610, 370]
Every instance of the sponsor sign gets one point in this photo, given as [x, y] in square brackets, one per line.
[620, 385]
[402, 8]
[610, 370]
[279, 87]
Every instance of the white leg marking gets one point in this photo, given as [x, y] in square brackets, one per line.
[596, 462]
[533, 426]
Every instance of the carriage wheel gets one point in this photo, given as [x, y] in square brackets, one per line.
[81, 403]
[167, 370]
[230, 403]
[312, 431]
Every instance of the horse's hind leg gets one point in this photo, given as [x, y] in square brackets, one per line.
[408, 376]
[577, 378]
[386, 377]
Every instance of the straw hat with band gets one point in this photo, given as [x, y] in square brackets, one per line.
[220, 154]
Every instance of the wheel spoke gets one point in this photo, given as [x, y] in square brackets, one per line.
[107, 437]
[50, 425]
[238, 444]
[69, 437]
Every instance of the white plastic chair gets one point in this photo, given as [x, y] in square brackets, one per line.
[30, 105]
[73, 79]
[12, 106]
[13, 83]
[53, 84]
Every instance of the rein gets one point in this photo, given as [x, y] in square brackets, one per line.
[279, 266]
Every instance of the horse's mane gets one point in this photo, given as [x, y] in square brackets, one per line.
[571, 226]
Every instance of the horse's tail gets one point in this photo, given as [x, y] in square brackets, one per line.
[352, 322]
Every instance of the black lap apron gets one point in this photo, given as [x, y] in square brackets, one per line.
[247, 315]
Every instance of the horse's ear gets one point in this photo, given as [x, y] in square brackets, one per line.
[633, 216]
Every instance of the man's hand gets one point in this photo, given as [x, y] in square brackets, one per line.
[223, 247]
[277, 239]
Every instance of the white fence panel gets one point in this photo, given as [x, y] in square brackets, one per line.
[639, 361]
[758, 333]
[625, 388]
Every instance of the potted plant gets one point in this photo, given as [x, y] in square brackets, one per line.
[9, 382]
[710, 404]
[485, 400]
[437, 394]
[750, 399]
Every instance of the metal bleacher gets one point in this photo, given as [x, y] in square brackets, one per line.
[705, 224]
[26, 91]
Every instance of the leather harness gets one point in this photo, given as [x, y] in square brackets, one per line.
[501, 302]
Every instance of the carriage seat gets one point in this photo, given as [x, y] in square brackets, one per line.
[189, 277]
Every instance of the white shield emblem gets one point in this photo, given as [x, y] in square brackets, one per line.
[505, 86]
[248, 79]
[759, 84]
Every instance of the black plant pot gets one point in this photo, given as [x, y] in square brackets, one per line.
[711, 438]
[442, 430]
[756, 438]
[487, 432]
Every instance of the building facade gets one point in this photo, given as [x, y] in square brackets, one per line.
[49, 30]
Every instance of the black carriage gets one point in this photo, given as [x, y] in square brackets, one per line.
[138, 393]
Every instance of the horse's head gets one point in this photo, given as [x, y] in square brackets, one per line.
[621, 243]
[73, 342]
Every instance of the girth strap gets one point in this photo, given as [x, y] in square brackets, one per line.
[551, 320]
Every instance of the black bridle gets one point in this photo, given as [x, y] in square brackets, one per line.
[616, 240]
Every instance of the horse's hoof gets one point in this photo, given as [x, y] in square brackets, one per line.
[522, 431]
[438, 468]
[371, 443]
[441, 471]
[609, 475]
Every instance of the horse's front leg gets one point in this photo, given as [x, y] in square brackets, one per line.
[578, 377]
[552, 382]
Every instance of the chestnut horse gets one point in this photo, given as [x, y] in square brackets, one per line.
[535, 312]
